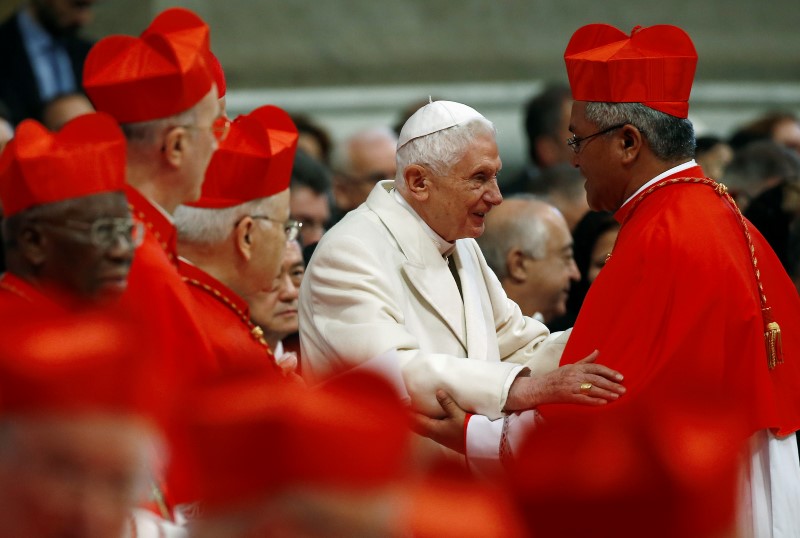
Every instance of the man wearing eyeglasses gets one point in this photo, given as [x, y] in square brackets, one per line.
[69, 236]
[161, 89]
[232, 240]
[692, 299]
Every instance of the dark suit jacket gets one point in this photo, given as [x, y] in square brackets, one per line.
[18, 87]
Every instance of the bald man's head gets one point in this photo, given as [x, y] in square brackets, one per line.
[528, 245]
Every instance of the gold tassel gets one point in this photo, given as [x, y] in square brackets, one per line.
[774, 345]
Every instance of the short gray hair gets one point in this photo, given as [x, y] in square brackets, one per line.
[148, 132]
[670, 138]
[203, 226]
[528, 232]
[439, 151]
[341, 158]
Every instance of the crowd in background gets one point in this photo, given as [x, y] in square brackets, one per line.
[543, 243]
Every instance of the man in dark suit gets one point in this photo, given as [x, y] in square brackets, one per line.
[42, 54]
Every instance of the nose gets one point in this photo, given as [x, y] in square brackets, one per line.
[121, 249]
[288, 291]
[574, 274]
[493, 195]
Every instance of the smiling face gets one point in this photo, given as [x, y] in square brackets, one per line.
[456, 203]
[605, 185]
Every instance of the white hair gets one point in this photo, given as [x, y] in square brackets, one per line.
[149, 132]
[202, 226]
[439, 151]
[341, 156]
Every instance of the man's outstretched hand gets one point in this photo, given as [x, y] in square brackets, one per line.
[600, 385]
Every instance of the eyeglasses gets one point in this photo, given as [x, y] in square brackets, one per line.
[290, 227]
[575, 142]
[105, 232]
[219, 128]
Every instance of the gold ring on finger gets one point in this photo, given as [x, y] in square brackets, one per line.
[586, 387]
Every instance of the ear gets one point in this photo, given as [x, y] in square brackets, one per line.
[631, 142]
[174, 147]
[242, 237]
[417, 180]
[32, 246]
[515, 265]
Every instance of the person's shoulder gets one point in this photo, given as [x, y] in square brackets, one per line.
[361, 222]
[689, 220]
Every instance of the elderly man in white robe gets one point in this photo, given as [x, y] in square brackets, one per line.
[403, 274]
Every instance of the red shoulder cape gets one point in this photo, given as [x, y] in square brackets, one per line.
[676, 310]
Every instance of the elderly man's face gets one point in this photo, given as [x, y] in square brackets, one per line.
[268, 239]
[79, 476]
[605, 187]
[88, 248]
[275, 310]
[552, 276]
[459, 200]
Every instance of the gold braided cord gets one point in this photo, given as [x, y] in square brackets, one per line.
[722, 191]
[141, 217]
[255, 331]
[772, 332]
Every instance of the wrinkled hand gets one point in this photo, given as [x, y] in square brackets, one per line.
[447, 431]
[563, 385]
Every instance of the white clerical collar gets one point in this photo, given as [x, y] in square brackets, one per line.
[445, 248]
[659, 177]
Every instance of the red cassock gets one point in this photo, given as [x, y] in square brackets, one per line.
[18, 295]
[155, 289]
[677, 310]
[225, 317]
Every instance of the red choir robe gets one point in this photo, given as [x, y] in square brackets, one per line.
[157, 292]
[18, 295]
[155, 287]
[225, 317]
[676, 310]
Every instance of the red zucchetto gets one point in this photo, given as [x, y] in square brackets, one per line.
[87, 156]
[163, 72]
[654, 66]
[254, 161]
[219, 75]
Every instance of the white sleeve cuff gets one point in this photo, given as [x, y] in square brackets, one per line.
[483, 445]
[507, 386]
[484, 437]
